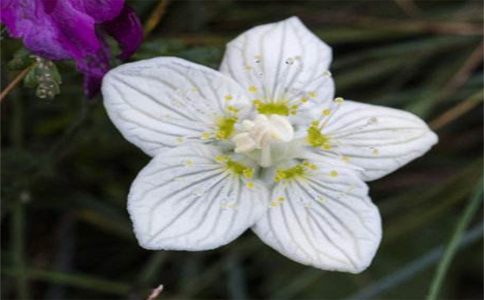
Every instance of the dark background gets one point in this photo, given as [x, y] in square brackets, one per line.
[66, 170]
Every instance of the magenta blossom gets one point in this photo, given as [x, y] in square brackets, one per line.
[74, 29]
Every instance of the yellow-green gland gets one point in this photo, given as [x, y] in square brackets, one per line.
[276, 108]
[315, 138]
[286, 174]
[237, 168]
[225, 128]
[298, 171]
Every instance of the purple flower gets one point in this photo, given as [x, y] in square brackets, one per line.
[74, 29]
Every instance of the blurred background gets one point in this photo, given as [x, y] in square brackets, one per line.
[66, 170]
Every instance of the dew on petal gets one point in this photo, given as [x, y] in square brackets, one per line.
[290, 61]
[339, 100]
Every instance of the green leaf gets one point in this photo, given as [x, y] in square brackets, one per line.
[45, 78]
[21, 60]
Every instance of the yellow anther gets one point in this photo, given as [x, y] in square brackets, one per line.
[326, 146]
[281, 199]
[304, 100]
[314, 123]
[228, 97]
[375, 151]
[252, 89]
[274, 204]
[312, 94]
[295, 106]
[293, 112]
[256, 102]
[306, 163]
[345, 158]
[326, 112]
[339, 100]
[189, 163]
[333, 174]
[313, 167]
[249, 184]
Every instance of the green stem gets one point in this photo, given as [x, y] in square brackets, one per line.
[470, 210]
[18, 215]
[18, 219]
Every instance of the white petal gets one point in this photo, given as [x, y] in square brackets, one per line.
[163, 102]
[281, 61]
[322, 220]
[185, 200]
[377, 139]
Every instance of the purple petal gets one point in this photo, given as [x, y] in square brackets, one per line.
[127, 30]
[49, 5]
[8, 16]
[99, 10]
[94, 67]
[64, 33]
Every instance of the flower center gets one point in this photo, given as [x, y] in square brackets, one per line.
[261, 133]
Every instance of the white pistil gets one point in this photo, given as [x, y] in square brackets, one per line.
[262, 132]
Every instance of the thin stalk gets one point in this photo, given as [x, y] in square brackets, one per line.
[15, 82]
[457, 111]
[156, 17]
[469, 212]
[18, 215]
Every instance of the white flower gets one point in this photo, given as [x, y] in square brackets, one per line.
[260, 144]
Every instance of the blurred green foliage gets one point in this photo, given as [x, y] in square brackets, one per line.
[66, 169]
